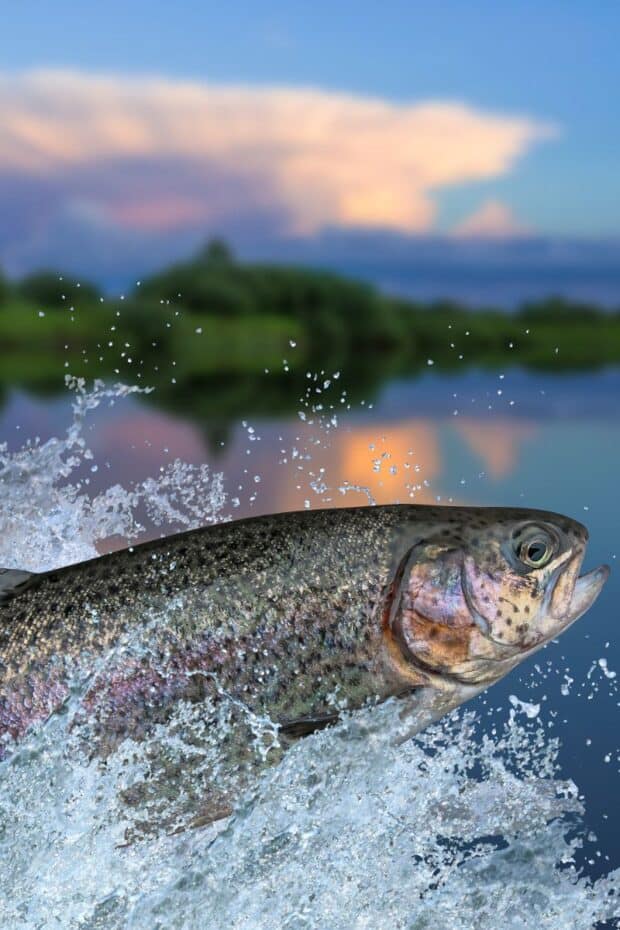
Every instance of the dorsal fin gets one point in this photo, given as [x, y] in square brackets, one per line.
[12, 582]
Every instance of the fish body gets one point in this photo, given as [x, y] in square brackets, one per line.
[278, 612]
[291, 616]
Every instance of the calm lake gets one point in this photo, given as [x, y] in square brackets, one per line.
[491, 438]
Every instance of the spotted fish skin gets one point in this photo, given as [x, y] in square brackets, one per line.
[277, 612]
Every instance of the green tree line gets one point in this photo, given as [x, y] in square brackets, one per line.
[215, 317]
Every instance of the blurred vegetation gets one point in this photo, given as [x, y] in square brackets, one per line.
[49, 289]
[204, 332]
[4, 289]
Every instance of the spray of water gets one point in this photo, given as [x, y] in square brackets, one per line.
[49, 520]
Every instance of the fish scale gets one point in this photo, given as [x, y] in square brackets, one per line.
[229, 599]
[291, 617]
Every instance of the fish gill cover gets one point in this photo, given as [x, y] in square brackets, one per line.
[460, 828]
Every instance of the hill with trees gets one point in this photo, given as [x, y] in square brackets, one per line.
[213, 322]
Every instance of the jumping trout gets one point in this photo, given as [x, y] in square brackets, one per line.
[278, 613]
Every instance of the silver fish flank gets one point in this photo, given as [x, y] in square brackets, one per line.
[279, 613]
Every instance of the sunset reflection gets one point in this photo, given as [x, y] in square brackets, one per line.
[391, 459]
[497, 444]
[273, 465]
[385, 461]
[406, 461]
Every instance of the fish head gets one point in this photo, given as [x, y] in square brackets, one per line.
[485, 589]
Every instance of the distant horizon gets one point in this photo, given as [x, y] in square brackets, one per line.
[476, 272]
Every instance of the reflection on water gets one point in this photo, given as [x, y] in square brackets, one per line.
[480, 438]
[484, 438]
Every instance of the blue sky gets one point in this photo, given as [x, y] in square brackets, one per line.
[553, 64]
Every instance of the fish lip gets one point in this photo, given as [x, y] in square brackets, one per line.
[587, 588]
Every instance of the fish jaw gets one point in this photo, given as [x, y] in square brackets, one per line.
[585, 592]
[568, 599]
[587, 589]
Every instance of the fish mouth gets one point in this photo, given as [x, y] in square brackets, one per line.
[587, 589]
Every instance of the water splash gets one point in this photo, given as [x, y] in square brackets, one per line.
[453, 829]
[47, 520]
[351, 831]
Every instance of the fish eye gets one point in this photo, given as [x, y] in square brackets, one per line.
[536, 548]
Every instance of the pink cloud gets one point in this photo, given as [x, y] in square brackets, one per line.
[314, 158]
[165, 212]
[492, 220]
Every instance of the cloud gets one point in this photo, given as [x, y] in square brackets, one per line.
[492, 220]
[157, 155]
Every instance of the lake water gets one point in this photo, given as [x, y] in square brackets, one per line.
[502, 438]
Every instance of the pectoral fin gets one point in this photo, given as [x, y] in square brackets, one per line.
[209, 815]
[13, 581]
[303, 726]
